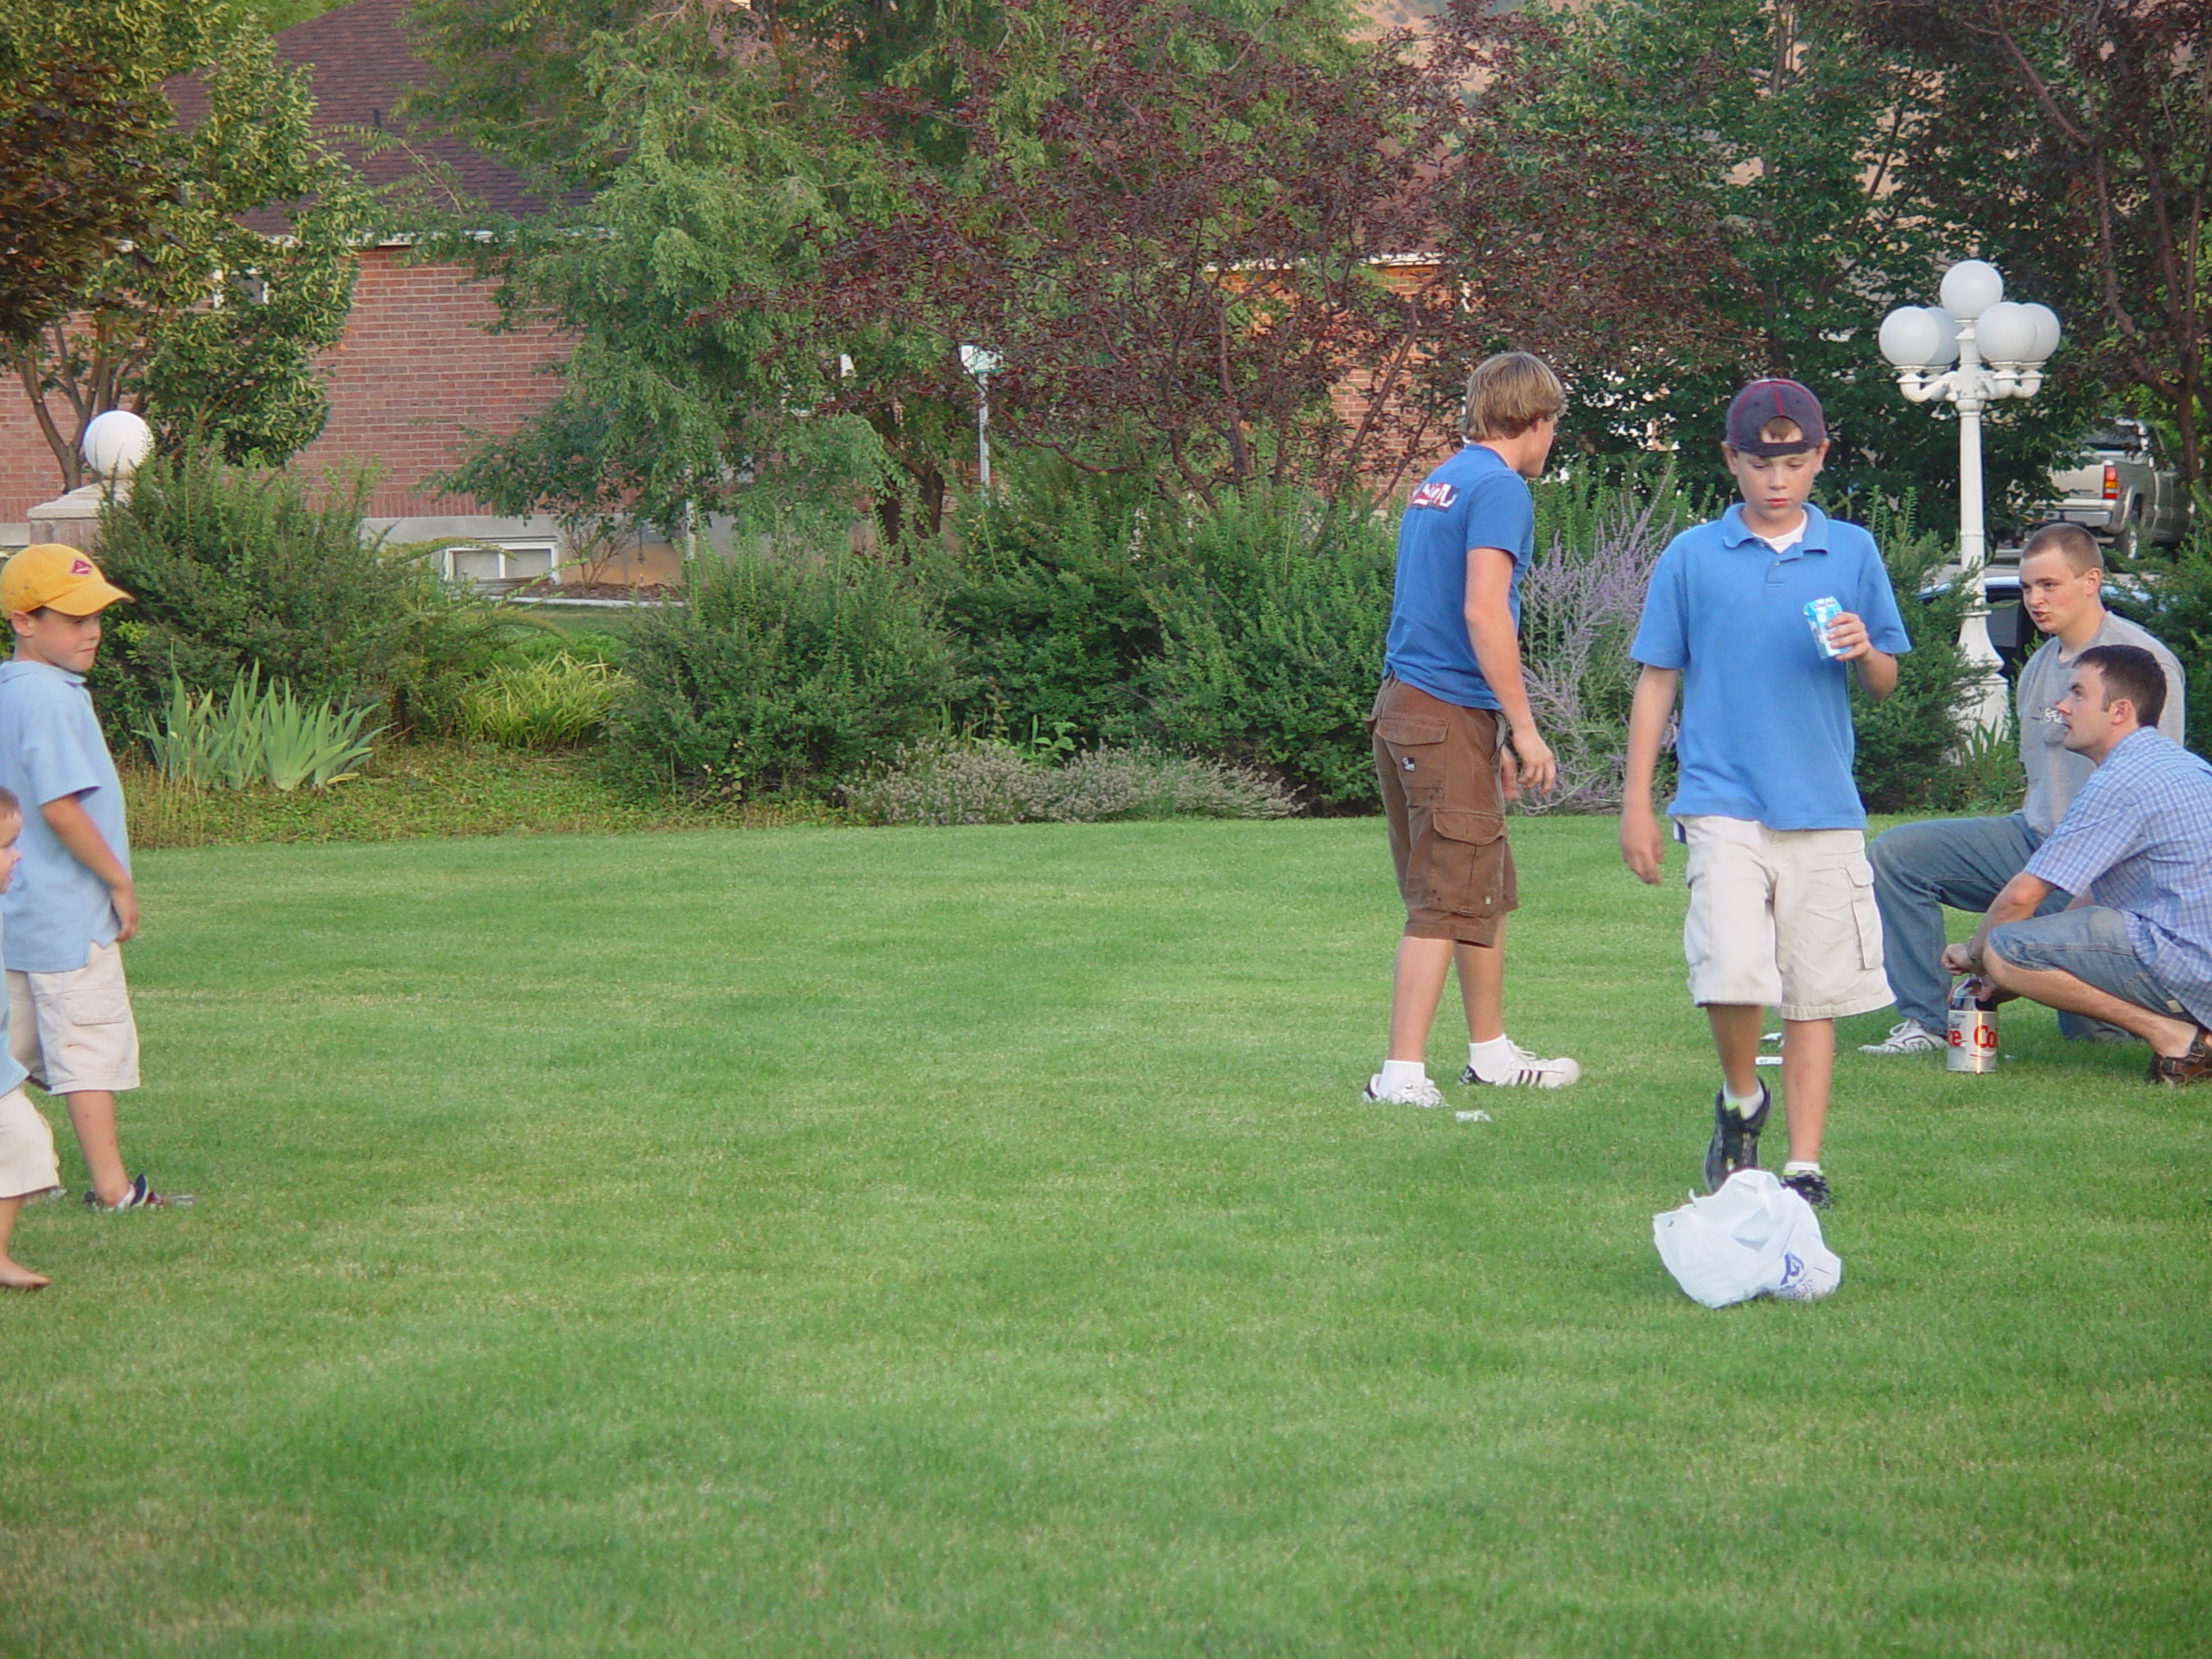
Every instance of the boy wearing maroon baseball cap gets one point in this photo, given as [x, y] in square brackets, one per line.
[1761, 618]
[69, 1023]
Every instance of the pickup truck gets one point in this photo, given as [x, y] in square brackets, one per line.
[2123, 489]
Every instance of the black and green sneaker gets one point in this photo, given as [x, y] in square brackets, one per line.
[1735, 1139]
[1810, 1186]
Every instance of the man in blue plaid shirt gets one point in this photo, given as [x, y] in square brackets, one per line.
[2135, 850]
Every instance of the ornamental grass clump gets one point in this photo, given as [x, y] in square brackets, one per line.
[987, 781]
[258, 734]
[557, 702]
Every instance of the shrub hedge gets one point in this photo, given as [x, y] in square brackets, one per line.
[1248, 632]
[781, 676]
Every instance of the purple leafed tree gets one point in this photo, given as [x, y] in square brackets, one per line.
[1202, 253]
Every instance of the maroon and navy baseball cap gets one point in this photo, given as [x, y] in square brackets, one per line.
[1766, 400]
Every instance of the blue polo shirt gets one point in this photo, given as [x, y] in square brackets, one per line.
[1472, 500]
[1766, 715]
[50, 745]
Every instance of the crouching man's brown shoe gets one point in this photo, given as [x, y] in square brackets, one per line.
[2195, 1066]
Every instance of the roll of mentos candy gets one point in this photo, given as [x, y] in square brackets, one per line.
[1819, 613]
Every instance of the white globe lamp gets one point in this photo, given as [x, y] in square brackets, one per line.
[2006, 332]
[1970, 288]
[1909, 337]
[2047, 331]
[115, 443]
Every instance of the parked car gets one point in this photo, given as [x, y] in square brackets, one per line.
[2123, 489]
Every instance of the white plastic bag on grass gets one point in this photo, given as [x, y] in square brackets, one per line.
[1753, 1237]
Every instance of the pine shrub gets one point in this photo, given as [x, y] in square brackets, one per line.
[1271, 625]
[780, 676]
[234, 569]
[1908, 744]
[1047, 600]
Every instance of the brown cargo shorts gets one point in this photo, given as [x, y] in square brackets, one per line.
[1437, 763]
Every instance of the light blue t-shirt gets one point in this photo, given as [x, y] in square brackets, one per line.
[50, 746]
[1766, 715]
[1472, 500]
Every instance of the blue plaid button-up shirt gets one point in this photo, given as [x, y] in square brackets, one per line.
[2138, 839]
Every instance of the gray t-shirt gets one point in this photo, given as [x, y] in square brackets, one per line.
[2054, 771]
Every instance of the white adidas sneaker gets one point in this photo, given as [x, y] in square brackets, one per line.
[1421, 1092]
[1907, 1036]
[1529, 1072]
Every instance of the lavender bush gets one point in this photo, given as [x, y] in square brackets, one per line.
[1581, 598]
[969, 780]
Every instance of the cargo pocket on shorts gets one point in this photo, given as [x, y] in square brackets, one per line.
[1866, 914]
[1416, 743]
[1463, 871]
[102, 1005]
[1697, 934]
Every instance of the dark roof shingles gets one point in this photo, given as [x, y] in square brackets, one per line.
[360, 64]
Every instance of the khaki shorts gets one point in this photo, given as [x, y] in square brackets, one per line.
[1437, 763]
[1784, 919]
[72, 1030]
[28, 1167]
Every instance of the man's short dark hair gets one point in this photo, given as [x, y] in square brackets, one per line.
[2132, 672]
[2071, 542]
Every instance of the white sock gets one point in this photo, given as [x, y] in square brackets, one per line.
[1742, 1106]
[1492, 1057]
[1799, 1167]
[1399, 1074]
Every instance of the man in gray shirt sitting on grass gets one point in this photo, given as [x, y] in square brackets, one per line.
[1965, 862]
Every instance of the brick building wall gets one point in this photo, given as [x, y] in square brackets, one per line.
[415, 372]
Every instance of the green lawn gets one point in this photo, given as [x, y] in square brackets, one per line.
[971, 1242]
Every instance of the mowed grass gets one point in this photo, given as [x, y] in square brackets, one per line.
[971, 1242]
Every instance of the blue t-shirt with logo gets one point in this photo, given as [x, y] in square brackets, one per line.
[1472, 500]
[1766, 715]
[50, 746]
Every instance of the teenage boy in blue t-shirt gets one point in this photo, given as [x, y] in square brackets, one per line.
[1453, 730]
[1782, 898]
[69, 1021]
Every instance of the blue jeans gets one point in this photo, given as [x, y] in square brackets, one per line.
[1921, 868]
[2091, 943]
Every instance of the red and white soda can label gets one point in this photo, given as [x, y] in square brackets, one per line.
[1972, 1041]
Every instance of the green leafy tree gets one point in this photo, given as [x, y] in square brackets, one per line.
[696, 161]
[240, 268]
[2078, 134]
[709, 159]
[1767, 140]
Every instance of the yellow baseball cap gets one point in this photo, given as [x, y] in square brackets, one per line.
[50, 575]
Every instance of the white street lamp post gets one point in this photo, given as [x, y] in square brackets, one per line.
[983, 364]
[112, 445]
[1999, 349]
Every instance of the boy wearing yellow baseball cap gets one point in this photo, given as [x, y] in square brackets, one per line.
[69, 1021]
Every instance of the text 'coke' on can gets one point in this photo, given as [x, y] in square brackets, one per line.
[1971, 1043]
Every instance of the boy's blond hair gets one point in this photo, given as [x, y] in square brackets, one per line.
[1510, 393]
[2071, 542]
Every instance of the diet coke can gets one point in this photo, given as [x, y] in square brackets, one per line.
[1973, 1037]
